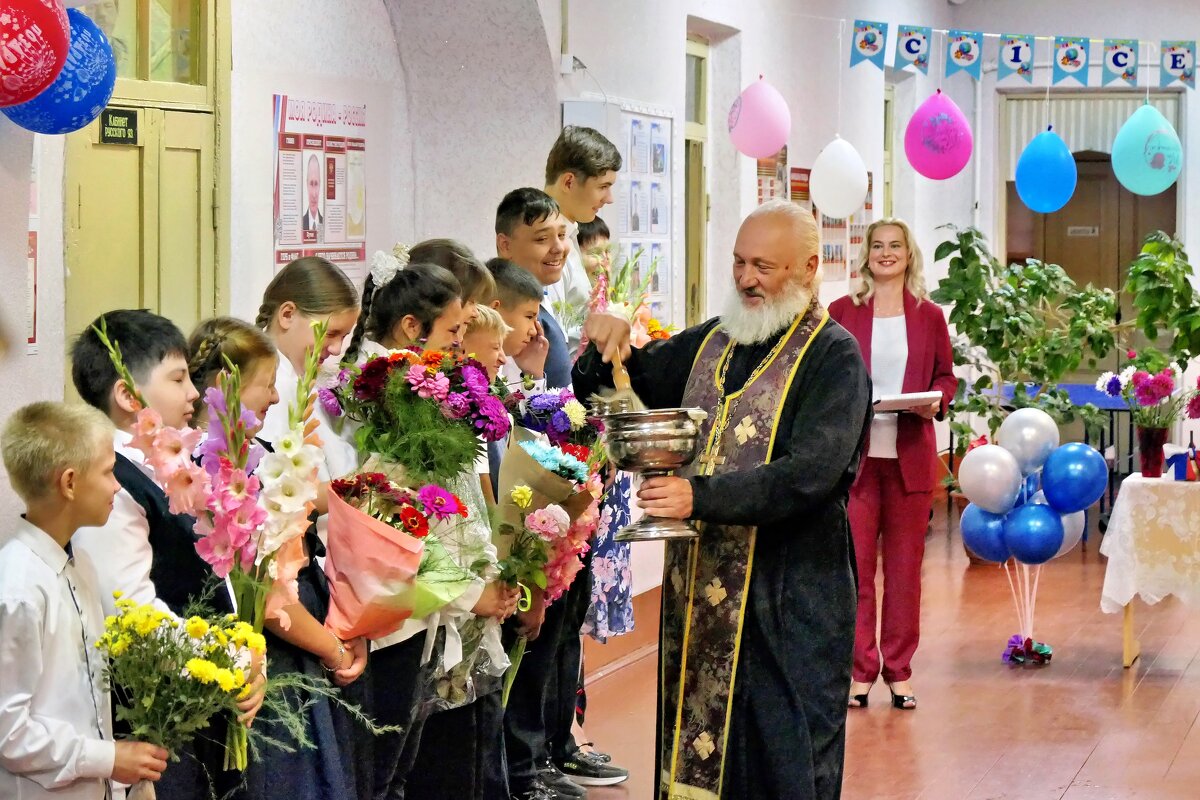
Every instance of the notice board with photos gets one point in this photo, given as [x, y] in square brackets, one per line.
[645, 224]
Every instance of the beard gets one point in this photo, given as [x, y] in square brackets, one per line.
[753, 325]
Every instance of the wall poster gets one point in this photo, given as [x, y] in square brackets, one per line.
[644, 227]
[320, 204]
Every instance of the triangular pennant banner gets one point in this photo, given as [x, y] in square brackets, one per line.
[1178, 64]
[870, 42]
[912, 47]
[1071, 58]
[1120, 61]
[1015, 57]
[964, 51]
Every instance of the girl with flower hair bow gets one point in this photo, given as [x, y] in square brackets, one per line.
[421, 305]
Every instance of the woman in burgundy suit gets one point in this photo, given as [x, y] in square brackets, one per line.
[905, 342]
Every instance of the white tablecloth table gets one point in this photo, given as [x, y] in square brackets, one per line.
[1153, 549]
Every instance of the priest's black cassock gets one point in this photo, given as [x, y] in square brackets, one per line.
[762, 711]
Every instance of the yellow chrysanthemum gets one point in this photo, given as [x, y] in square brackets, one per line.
[522, 495]
[196, 628]
[225, 680]
[202, 670]
[118, 594]
[257, 643]
[239, 678]
[575, 412]
[219, 635]
[118, 646]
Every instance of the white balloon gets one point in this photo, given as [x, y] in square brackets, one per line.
[1030, 434]
[1073, 525]
[990, 478]
[838, 183]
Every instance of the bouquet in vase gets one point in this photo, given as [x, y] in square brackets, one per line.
[389, 560]
[425, 410]
[251, 507]
[1149, 386]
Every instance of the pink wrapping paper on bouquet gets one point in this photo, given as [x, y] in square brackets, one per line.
[371, 568]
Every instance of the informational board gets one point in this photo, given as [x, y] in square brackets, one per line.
[644, 219]
[320, 198]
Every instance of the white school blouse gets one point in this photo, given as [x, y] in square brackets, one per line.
[889, 358]
[55, 717]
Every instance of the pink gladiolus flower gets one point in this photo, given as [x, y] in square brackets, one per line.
[231, 488]
[145, 427]
[187, 489]
[172, 449]
[217, 551]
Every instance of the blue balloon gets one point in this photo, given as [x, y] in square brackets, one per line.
[1074, 477]
[1147, 155]
[80, 91]
[1046, 173]
[1033, 533]
[983, 533]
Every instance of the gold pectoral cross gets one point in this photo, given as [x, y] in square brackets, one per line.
[710, 462]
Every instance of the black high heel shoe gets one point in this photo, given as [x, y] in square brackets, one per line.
[859, 700]
[904, 702]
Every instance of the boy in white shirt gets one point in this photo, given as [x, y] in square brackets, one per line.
[55, 713]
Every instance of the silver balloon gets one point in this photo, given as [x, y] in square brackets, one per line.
[990, 478]
[1072, 531]
[1030, 434]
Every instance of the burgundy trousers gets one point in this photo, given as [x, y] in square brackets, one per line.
[883, 514]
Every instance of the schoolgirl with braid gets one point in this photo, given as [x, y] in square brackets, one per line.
[304, 646]
[308, 290]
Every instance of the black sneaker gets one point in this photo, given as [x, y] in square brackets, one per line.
[559, 784]
[592, 769]
[534, 791]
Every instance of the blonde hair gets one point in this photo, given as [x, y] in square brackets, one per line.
[914, 275]
[220, 338]
[41, 440]
[315, 285]
[488, 320]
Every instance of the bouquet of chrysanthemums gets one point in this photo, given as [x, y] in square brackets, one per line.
[562, 418]
[390, 560]
[425, 410]
[249, 505]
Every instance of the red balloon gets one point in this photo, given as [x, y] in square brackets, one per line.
[34, 38]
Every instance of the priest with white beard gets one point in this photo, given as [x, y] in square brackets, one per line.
[758, 614]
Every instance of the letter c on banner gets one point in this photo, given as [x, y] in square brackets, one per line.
[912, 45]
[1120, 59]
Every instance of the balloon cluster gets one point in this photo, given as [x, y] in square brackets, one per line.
[1028, 495]
[58, 70]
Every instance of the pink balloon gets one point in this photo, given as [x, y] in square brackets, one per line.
[34, 38]
[938, 139]
[759, 121]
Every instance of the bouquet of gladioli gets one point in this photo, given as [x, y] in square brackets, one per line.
[425, 410]
[626, 294]
[389, 561]
[248, 504]
[1148, 387]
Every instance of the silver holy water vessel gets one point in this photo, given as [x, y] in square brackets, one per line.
[652, 443]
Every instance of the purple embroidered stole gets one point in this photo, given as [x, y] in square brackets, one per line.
[706, 582]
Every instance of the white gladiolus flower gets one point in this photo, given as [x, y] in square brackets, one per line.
[290, 443]
[290, 494]
[273, 467]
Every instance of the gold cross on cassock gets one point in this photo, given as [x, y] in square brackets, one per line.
[711, 461]
[745, 430]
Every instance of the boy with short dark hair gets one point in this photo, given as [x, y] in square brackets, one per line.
[55, 711]
[143, 550]
[581, 171]
[595, 248]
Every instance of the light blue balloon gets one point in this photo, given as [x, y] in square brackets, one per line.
[81, 90]
[1033, 533]
[983, 533]
[1147, 155]
[1074, 477]
[1046, 173]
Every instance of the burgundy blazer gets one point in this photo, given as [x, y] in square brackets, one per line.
[930, 368]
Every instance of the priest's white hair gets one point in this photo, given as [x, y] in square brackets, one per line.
[748, 325]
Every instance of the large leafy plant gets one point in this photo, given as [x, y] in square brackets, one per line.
[1030, 325]
[1027, 325]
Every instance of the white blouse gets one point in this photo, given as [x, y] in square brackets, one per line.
[889, 358]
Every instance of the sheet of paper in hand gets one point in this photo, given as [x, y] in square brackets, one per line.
[905, 402]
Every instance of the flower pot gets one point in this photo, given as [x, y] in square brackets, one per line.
[1150, 450]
